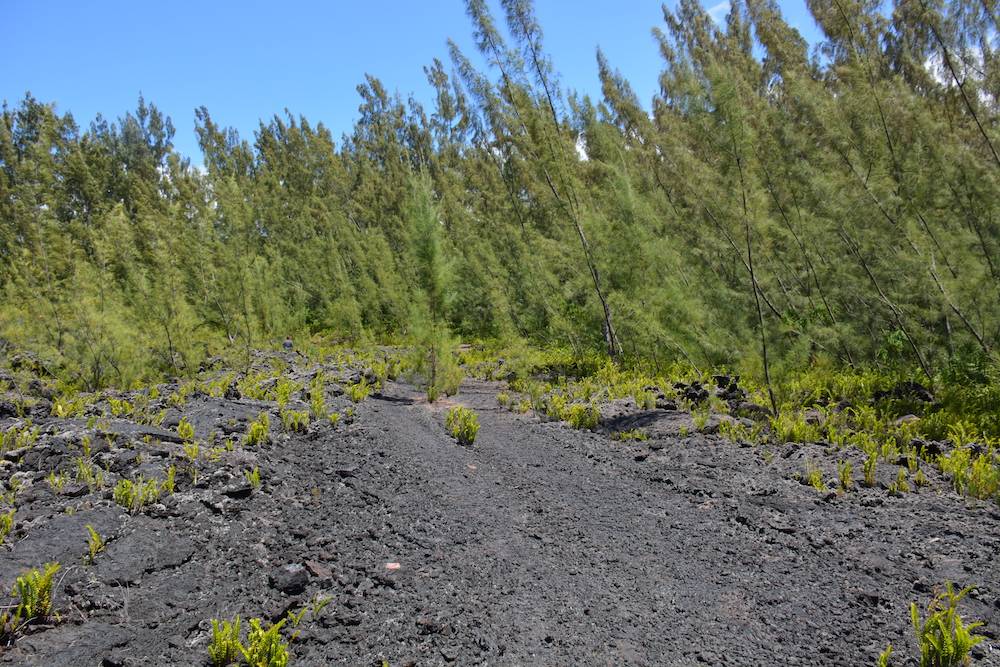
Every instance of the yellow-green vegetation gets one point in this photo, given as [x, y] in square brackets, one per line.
[56, 481]
[583, 416]
[17, 437]
[135, 495]
[359, 391]
[317, 396]
[845, 475]
[250, 386]
[95, 544]
[185, 431]
[253, 477]
[633, 434]
[225, 646]
[259, 431]
[218, 387]
[463, 424]
[503, 399]
[283, 390]
[814, 478]
[334, 417]
[264, 647]
[88, 473]
[296, 421]
[33, 591]
[6, 524]
[120, 408]
[944, 638]
[884, 657]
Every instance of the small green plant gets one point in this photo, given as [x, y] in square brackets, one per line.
[845, 473]
[258, 433]
[95, 544]
[582, 416]
[265, 648]
[253, 477]
[283, 390]
[295, 421]
[169, 482]
[120, 408]
[134, 495]
[944, 639]
[869, 469]
[6, 524]
[56, 481]
[463, 424]
[634, 434]
[884, 656]
[34, 592]
[503, 399]
[89, 474]
[185, 430]
[359, 391]
[334, 417]
[901, 485]
[699, 419]
[225, 647]
[317, 397]
[814, 477]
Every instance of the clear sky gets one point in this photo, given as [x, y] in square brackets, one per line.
[251, 59]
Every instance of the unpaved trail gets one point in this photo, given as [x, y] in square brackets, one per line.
[539, 545]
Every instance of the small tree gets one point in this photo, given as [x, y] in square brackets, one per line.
[432, 361]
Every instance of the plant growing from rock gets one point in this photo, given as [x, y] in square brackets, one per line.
[884, 656]
[258, 433]
[6, 524]
[359, 391]
[225, 647]
[283, 390]
[869, 469]
[503, 399]
[463, 424]
[56, 481]
[943, 637]
[845, 474]
[265, 647]
[814, 478]
[253, 477]
[185, 431]
[295, 421]
[634, 434]
[33, 590]
[582, 416]
[134, 495]
[95, 544]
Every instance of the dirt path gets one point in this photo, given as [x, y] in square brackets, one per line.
[538, 545]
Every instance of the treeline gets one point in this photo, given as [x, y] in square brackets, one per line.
[841, 203]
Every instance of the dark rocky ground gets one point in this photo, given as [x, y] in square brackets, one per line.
[538, 545]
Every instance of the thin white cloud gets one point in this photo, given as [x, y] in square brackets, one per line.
[719, 11]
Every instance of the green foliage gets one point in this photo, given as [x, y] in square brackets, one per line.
[317, 397]
[135, 495]
[253, 477]
[631, 435]
[295, 421]
[6, 524]
[95, 544]
[283, 390]
[944, 639]
[33, 590]
[359, 391]
[225, 648]
[582, 416]
[185, 430]
[265, 647]
[258, 432]
[845, 474]
[463, 424]
[884, 657]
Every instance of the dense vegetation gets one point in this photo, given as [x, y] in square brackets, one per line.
[775, 204]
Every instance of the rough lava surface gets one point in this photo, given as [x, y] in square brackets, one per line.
[539, 544]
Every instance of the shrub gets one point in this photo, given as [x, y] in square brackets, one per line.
[463, 424]
[582, 416]
[295, 421]
[944, 639]
[95, 544]
[34, 592]
[283, 390]
[359, 391]
[133, 496]
[225, 648]
[257, 434]
[185, 430]
[265, 648]
[6, 524]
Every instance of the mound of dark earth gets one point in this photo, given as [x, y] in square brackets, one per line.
[537, 545]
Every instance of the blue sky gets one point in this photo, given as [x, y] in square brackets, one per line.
[251, 59]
